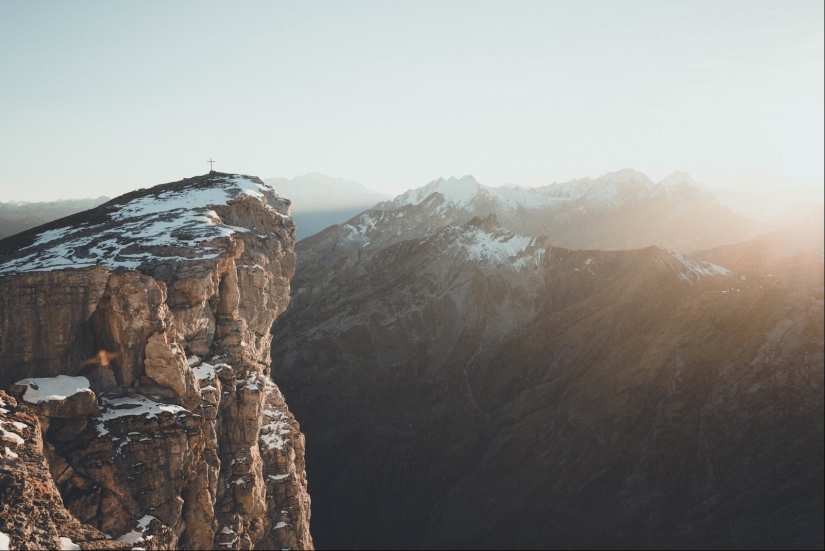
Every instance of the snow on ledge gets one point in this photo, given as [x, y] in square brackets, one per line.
[204, 372]
[66, 544]
[47, 389]
[136, 405]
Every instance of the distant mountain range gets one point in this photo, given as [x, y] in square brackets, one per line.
[620, 210]
[466, 379]
[320, 201]
[16, 216]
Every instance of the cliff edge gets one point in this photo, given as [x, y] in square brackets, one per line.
[137, 334]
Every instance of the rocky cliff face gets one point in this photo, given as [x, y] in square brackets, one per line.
[156, 307]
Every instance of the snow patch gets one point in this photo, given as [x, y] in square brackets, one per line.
[46, 389]
[136, 536]
[204, 372]
[114, 408]
[275, 425]
[693, 270]
[498, 246]
[67, 544]
[11, 437]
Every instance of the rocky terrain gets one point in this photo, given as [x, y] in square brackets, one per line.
[134, 347]
[485, 388]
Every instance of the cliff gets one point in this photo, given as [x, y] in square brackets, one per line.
[137, 334]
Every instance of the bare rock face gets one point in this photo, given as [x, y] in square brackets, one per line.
[132, 308]
[282, 451]
[32, 513]
[178, 438]
[43, 319]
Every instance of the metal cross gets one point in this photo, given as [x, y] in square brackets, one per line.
[210, 161]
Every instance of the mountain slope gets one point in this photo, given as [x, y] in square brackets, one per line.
[620, 210]
[483, 388]
[793, 252]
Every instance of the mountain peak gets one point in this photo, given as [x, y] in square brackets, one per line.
[458, 191]
[469, 178]
[678, 177]
[624, 175]
[175, 222]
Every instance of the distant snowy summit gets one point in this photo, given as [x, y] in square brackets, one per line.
[180, 221]
[617, 211]
[608, 191]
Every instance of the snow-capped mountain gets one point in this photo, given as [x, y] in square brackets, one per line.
[620, 210]
[611, 190]
[177, 222]
[141, 326]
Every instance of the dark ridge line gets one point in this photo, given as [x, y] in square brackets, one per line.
[100, 214]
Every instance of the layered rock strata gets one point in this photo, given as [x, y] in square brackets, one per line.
[163, 300]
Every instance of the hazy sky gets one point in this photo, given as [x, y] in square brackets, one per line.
[104, 97]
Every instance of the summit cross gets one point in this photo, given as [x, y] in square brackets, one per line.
[210, 161]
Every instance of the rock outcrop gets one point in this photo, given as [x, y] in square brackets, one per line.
[161, 301]
[32, 514]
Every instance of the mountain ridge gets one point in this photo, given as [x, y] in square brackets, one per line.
[486, 388]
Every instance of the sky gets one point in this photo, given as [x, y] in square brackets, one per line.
[100, 98]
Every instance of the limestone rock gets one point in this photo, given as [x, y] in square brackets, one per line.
[166, 364]
[44, 321]
[132, 308]
[32, 513]
[171, 293]
[282, 451]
